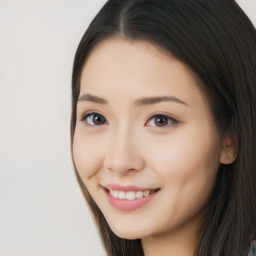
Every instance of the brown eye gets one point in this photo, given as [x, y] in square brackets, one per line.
[95, 119]
[161, 121]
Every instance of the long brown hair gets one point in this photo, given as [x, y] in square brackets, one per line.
[218, 43]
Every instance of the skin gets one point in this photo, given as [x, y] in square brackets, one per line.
[131, 148]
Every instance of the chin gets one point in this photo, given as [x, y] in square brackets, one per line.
[130, 233]
[127, 235]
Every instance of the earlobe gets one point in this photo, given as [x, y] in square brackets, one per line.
[229, 151]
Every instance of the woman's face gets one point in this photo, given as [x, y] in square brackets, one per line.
[145, 143]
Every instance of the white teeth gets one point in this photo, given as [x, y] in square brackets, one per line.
[130, 195]
[146, 193]
[139, 194]
[116, 193]
[111, 192]
[121, 195]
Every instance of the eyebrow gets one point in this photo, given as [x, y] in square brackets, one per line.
[138, 102]
[154, 100]
[92, 98]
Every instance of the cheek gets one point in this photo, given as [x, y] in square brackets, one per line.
[187, 168]
[187, 160]
[87, 156]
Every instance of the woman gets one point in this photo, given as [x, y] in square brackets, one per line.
[163, 127]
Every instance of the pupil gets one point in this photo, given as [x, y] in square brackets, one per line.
[161, 121]
[98, 119]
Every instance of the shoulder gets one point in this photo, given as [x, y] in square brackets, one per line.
[252, 250]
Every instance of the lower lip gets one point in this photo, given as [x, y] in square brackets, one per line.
[129, 205]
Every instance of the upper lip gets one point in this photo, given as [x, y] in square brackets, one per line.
[127, 188]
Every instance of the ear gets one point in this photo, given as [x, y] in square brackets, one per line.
[229, 150]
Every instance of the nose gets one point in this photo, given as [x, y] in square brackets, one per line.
[123, 153]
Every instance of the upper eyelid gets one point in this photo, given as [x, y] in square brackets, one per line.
[172, 117]
[90, 112]
[86, 113]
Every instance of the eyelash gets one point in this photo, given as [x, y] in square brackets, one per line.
[170, 120]
[90, 115]
[88, 119]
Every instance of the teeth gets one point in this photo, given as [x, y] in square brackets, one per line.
[121, 195]
[139, 194]
[111, 192]
[116, 194]
[146, 193]
[130, 195]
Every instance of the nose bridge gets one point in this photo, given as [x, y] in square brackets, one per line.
[123, 153]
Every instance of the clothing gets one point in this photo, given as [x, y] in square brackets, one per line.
[252, 250]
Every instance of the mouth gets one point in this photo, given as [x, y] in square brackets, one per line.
[130, 195]
[129, 198]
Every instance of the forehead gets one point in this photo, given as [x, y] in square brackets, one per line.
[137, 68]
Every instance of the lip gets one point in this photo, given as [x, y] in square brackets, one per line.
[128, 205]
[126, 188]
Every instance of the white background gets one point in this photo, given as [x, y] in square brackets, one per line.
[42, 211]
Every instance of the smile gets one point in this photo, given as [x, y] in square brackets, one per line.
[130, 195]
[129, 198]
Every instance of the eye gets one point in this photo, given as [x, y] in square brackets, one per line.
[161, 121]
[95, 119]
